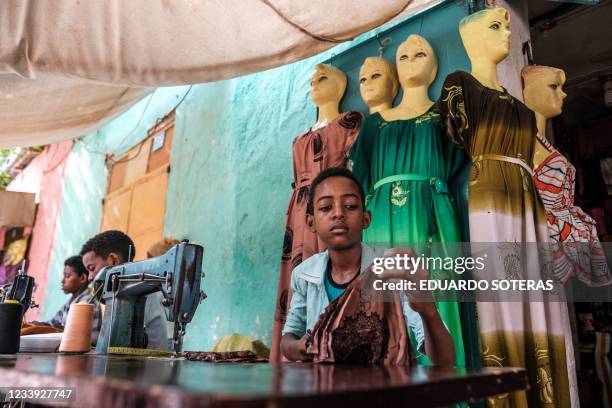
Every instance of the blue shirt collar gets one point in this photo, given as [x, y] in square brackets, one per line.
[316, 272]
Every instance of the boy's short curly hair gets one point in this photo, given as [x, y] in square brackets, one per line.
[106, 242]
[332, 172]
[76, 263]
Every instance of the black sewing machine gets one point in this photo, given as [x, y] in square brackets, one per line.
[124, 289]
[20, 289]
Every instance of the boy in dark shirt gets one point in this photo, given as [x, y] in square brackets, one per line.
[75, 283]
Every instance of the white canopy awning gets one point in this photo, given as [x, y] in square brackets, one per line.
[66, 66]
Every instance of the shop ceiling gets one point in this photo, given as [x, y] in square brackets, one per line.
[578, 39]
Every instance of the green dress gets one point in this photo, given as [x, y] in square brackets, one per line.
[406, 168]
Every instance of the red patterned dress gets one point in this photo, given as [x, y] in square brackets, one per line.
[313, 151]
[580, 252]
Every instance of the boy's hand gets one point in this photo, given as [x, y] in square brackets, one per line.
[301, 347]
[438, 341]
[421, 301]
[294, 347]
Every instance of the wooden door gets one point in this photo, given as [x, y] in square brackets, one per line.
[136, 199]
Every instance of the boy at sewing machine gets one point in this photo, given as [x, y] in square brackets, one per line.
[75, 283]
[112, 248]
[336, 214]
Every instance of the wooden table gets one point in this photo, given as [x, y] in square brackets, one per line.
[114, 381]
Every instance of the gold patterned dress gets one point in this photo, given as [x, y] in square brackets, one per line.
[498, 133]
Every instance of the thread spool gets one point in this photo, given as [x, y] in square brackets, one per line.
[11, 314]
[77, 332]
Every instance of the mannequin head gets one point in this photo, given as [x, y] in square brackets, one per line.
[378, 83]
[486, 34]
[416, 62]
[543, 89]
[327, 85]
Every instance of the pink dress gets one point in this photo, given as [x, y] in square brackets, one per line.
[580, 252]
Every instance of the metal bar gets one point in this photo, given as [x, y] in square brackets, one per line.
[161, 280]
[587, 2]
[555, 13]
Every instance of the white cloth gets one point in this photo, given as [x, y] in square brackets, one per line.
[156, 324]
[43, 111]
[66, 65]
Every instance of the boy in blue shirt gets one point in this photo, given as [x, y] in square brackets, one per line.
[336, 213]
[112, 248]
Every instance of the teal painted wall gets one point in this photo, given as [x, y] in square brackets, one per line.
[86, 179]
[231, 172]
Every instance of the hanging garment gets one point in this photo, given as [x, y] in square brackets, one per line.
[313, 151]
[405, 168]
[241, 357]
[579, 252]
[362, 326]
[498, 132]
[603, 365]
[606, 172]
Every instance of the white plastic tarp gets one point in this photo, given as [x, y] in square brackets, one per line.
[66, 66]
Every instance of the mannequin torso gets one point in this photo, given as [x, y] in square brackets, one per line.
[540, 152]
[543, 93]
[325, 145]
[555, 178]
[403, 161]
[499, 132]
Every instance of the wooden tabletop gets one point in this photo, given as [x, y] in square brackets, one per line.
[112, 381]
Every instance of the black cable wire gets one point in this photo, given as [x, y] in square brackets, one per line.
[125, 159]
[139, 119]
[112, 162]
